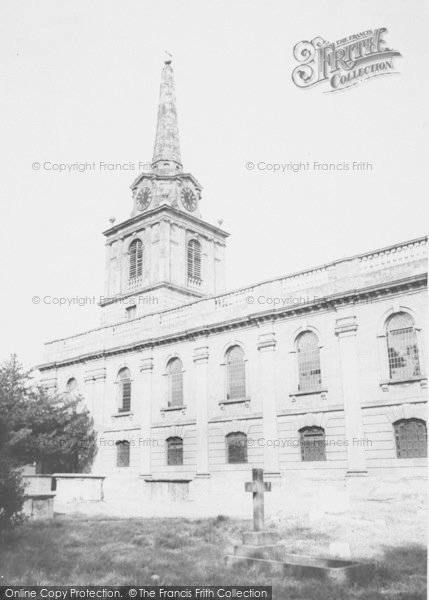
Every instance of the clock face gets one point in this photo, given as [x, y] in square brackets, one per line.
[189, 199]
[143, 199]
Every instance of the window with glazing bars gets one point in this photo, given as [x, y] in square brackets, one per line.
[123, 454]
[308, 362]
[402, 347]
[136, 259]
[236, 373]
[175, 382]
[124, 382]
[175, 451]
[194, 259]
[312, 443]
[236, 447]
[410, 438]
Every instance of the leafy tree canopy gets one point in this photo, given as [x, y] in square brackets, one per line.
[55, 431]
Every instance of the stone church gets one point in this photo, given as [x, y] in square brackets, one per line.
[317, 375]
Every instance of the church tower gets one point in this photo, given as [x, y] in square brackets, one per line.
[164, 255]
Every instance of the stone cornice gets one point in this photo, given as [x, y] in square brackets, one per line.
[193, 294]
[170, 211]
[349, 297]
[165, 177]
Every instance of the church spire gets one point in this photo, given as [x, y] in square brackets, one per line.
[166, 153]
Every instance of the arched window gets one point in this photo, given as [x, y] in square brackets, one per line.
[71, 386]
[308, 361]
[124, 393]
[312, 443]
[123, 453]
[175, 382]
[402, 347]
[411, 438]
[236, 447]
[174, 451]
[136, 258]
[236, 373]
[194, 260]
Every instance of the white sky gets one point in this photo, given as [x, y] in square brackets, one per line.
[81, 82]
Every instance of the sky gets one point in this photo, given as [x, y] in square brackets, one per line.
[81, 84]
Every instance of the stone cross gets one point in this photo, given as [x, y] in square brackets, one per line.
[258, 487]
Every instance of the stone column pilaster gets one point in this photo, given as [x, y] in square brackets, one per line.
[144, 397]
[50, 383]
[267, 375]
[346, 331]
[201, 359]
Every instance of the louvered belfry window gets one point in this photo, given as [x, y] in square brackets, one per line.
[236, 373]
[312, 443]
[175, 382]
[308, 353]
[410, 438]
[175, 451]
[136, 259]
[402, 347]
[123, 454]
[194, 260]
[236, 447]
[124, 382]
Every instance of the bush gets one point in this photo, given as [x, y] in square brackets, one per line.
[11, 496]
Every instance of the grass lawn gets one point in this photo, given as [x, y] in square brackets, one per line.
[77, 550]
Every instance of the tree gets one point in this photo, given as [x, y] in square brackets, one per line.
[11, 496]
[55, 431]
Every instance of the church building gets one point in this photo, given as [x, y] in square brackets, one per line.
[317, 375]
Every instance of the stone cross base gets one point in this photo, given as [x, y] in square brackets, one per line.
[259, 538]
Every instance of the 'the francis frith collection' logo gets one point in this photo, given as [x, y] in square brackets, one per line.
[344, 63]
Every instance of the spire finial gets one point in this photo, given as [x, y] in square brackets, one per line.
[169, 58]
[166, 153]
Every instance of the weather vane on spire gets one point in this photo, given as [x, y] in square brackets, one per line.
[170, 56]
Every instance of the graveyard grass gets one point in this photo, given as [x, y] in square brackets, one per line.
[77, 550]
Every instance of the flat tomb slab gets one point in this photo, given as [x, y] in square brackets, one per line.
[296, 565]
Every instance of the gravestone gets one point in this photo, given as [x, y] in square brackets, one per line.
[259, 536]
[260, 547]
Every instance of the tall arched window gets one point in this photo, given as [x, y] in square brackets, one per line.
[236, 373]
[411, 438]
[71, 386]
[194, 260]
[123, 453]
[136, 258]
[124, 391]
[312, 443]
[308, 353]
[175, 382]
[402, 347]
[174, 451]
[236, 447]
